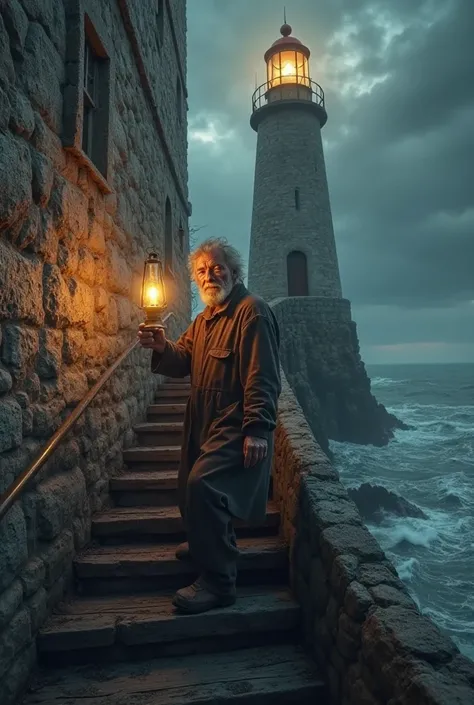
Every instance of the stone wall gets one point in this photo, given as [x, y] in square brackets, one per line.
[361, 625]
[73, 237]
[321, 359]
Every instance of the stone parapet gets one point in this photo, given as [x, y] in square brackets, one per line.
[360, 623]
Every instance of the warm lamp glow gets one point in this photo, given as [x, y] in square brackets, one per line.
[287, 67]
[153, 288]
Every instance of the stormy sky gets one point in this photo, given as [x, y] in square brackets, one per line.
[398, 77]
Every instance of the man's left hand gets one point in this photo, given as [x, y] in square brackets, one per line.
[255, 450]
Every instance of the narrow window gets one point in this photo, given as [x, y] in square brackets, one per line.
[297, 273]
[168, 237]
[181, 236]
[297, 199]
[95, 90]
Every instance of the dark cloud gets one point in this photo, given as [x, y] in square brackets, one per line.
[399, 147]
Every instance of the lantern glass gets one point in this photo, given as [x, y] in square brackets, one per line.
[287, 67]
[153, 287]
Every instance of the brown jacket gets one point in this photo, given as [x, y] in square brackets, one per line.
[233, 361]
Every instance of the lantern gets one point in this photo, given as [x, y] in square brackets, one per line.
[287, 61]
[153, 299]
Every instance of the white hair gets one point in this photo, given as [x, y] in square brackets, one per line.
[232, 256]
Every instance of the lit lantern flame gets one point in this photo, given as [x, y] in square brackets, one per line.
[153, 288]
[288, 69]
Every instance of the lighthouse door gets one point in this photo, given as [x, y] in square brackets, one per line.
[297, 273]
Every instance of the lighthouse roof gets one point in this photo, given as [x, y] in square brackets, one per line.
[286, 41]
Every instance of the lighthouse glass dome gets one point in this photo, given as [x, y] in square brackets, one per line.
[287, 67]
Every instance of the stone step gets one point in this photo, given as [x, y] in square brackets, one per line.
[177, 380]
[159, 433]
[158, 455]
[91, 629]
[146, 488]
[266, 675]
[158, 560]
[136, 521]
[180, 392]
[166, 412]
[176, 385]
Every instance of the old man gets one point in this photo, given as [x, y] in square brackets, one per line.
[230, 352]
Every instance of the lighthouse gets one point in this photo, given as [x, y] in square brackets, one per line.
[292, 246]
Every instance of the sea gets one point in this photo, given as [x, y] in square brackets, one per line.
[431, 465]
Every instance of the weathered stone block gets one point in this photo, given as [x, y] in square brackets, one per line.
[106, 319]
[17, 675]
[22, 117]
[386, 595]
[5, 109]
[11, 431]
[397, 631]
[43, 175]
[57, 557]
[96, 239]
[58, 499]
[5, 380]
[13, 545]
[47, 142]
[348, 539]
[16, 24]
[86, 266]
[318, 585]
[15, 179]
[56, 298]
[371, 574]
[75, 386]
[343, 572]
[47, 418]
[42, 75]
[73, 346]
[32, 576]
[49, 358]
[357, 601]
[10, 600]
[124, 312]
[119, 274]
[30, 234]
[37, 606]
[70, 207]
[14, 638]
[68, 254]
[7, 70]
[20, 286]
[50, 14]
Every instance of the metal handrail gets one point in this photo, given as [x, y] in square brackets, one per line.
[303, 88]
[18, 486]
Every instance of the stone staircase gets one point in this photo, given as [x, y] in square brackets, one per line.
[118, 641]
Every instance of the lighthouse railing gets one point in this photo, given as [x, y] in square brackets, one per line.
[300, 89]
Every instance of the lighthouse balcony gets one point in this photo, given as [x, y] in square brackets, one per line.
[301, 91]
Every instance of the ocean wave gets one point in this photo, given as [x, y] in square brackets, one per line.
[386, 381]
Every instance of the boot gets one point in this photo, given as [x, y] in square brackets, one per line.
[182, 552]
[196, 598]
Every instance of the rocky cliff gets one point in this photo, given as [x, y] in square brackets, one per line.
[321, 359]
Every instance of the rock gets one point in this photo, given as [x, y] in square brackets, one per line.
[38, 608]
[32, 576]
[13, 545]
[73, 345]
[15, 637]
[42, 76]
[15, 179]
[30, 234]
[352, 540]
[10, 600]
[47, 142]
[51, 16]
[75, 387]
[371, 574]
[7, 70]
[119, 274]
[357, 601]
[16, 24]
[5, 381]
[49, 358]
[86, 266]
[57, 557]
[47, 418]
[11, 430]
[22, 117]
[58, 499]
[68, 254]
[43, 175]
[18, 675]
[397, 632]
[386, 595]
[124, 312]
[20, 345]
[4, 110]
[372, 500]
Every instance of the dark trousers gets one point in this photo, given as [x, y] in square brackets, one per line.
[211, 534]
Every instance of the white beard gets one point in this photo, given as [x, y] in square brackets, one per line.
[215, 297]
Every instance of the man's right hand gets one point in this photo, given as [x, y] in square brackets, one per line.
[152, 338]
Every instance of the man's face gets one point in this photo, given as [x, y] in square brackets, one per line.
[213, 277]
